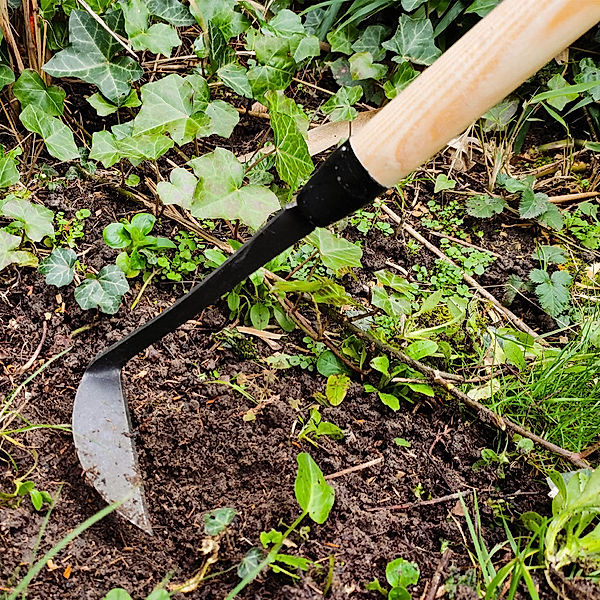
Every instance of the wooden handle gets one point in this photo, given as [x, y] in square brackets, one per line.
[505, 48]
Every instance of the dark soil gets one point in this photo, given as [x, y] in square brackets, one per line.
[198, 453]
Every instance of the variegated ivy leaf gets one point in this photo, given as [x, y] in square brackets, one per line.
[370, 41]
[158, 38]
[402, 76]
[167, 107]
[104, 291]
[171, 11]
[290, 128]
[9, 252]
[336, 252]
[413, 41]
[410, 5]
[342, 38]
[59, 267]
[339, 107]
[30, 89]
[218, 191]
[35, 219]
[110, 149]
[482, 7]
[92, 57]
[57, 136]
[6, 76]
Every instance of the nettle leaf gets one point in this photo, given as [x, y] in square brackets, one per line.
[171, 11]
[403, 75]
[6, 76]
[484, 206]
[335, 252]
[167, 107]
[104, 291]
[362, 67]
[9, 252]
[35, 219]
[290, 128]
[235, 77]
[30, 89]
[59, 267]
[313, 493]
[558, 82]
[218, 192]
[109, 149]
[56, 135]
[552, 291]
[218, 520]
[276, 67]
[91, 57]
[413, 41]
[9, 174]
[370, 41]
[104, 107]
[339, 106]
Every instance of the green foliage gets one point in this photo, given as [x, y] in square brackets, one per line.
[103, 291]
[59, 267]
[413, 41]
[337, 387]
[23, 489]
[315, 427]
[92, 57]
[583, 223]
[30, 89]
[484, 206]
[9, 173]
[313, 494]
[217, 521]
[339, 106]
[399, 574]
[443, 182]
[552, 290]
[10, 253]
[33, 219]
[139, 249]
[335, 252]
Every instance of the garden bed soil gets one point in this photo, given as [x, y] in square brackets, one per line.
[198, 451]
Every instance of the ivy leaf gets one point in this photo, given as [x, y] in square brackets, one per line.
[167, 107]
[91, 57]
[552, 291]
[370, 41]
[104, 291]
[235, 77]
[290, 128]
[413, 41]
[500, 115]
[249, 562]
[588, 73]
[362, 67]
[335, 252]
[109, 149]
[409, 6]
[171, 11]
[342, 38]
[36, 220]
[59, 267]
[57, 136]
[9, 174]
[30, 89]
[104, 107]
[557, 82]
[180, 190]
[223, 118]
[216, 521]
[6, 76]
[339, 106]
[533, 204]
[403, 75]
[276, 67]
[482, 7]
[313, 493]
[219, 192]
[304, 46]
[9, 252]
[285, 24]
[394, 304]
[484, 206]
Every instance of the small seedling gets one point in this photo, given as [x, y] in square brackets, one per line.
[400, 574]
[315, 427]
[27, 488]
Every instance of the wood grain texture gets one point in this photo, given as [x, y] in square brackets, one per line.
[505, 48]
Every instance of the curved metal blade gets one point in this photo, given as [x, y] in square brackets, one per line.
[106, 450]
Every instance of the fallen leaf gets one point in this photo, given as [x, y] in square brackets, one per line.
[67, 572]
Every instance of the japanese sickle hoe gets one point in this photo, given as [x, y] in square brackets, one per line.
[505, 48]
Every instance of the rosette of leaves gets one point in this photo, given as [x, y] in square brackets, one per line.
[138, 248]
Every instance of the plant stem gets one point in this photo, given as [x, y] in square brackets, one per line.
[142, 290]
[266, 562]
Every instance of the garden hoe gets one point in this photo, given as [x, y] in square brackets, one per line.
[505, 48]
